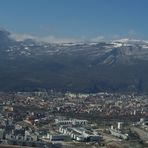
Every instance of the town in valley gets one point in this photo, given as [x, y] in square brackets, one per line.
[55, 119]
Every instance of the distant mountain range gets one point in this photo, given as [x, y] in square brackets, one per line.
[115, 66]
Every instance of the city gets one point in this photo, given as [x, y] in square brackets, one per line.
[55, 119]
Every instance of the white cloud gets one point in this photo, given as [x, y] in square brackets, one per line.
[97, 39]
[21, 37]
[53, 39]
[48, 39]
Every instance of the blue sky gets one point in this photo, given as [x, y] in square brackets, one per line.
[76, 18]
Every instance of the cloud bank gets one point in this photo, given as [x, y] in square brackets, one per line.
[53, 39]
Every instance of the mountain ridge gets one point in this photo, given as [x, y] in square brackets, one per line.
[118, 66]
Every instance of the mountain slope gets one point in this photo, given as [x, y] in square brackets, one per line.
[80, 67]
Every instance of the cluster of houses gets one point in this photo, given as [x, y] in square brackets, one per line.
[75, 129]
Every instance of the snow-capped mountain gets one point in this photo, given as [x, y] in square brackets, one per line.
[118, 65]
[104, 52]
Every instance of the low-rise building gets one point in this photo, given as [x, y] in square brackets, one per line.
[80, 133]
[71, 121]
[59, 138]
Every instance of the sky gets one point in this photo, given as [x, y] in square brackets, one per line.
[95, 19]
